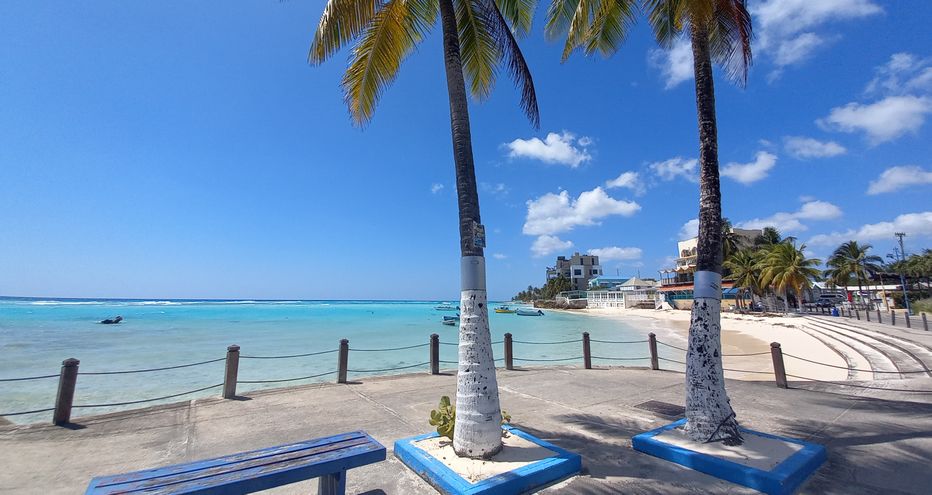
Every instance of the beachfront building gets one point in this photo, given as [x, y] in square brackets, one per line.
[633, 292]
[579, 269]
[676, 282]
[606, 282]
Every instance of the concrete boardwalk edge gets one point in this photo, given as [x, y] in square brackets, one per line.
[877, 440]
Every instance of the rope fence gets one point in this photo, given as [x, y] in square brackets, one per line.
[69, 371]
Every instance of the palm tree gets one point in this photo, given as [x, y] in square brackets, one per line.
[745, 271]
[769, 236]
[478, 36]
[851, 260]
[720, 31]
[784, 267]
[731, 242]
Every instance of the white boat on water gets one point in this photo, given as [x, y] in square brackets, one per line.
[529, 312]
[447, 307]
[450, 320]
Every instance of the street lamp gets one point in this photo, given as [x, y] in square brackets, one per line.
[902, 253]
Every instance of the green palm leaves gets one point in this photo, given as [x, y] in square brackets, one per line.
[601, 25]
[851, 260]
[388, 31]
[783, 267]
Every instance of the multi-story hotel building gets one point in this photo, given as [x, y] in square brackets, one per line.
[578, 269]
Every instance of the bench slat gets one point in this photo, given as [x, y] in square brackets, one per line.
[249, 471]
[219, 461]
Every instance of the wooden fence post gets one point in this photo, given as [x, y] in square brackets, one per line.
[65, 398]
[779, 371]
[857, 314]
[893, 317]
[434, 354]
[867, 313]
[231, 371]
[509, 355]
[586, 352]
[908, 323]
[652, 344]
[925, 323]
[343, 361]
[879, 319]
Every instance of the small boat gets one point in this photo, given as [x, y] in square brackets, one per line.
[451, 318]
[504, 309]
[449, 322]
[447, 307]
[529, 312]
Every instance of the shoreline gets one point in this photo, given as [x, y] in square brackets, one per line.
[741, 334]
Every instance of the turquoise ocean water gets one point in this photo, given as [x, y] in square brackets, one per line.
[37, 334]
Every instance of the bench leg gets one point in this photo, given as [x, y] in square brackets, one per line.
[332, 484]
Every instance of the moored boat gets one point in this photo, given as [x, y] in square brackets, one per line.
[447, 307]
[529, 312]
[504, 309]
[449, 322]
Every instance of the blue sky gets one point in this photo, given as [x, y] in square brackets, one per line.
[186, 149]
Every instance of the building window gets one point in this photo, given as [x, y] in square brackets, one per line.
[577, 272]
[595, 272]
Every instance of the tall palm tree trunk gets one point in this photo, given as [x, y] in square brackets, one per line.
[478, 431]
[709, 416]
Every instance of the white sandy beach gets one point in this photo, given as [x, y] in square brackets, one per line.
[741, 334]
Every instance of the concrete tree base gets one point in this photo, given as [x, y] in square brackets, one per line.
[525, 464]
[768, 463]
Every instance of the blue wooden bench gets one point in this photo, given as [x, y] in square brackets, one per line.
[247, 472]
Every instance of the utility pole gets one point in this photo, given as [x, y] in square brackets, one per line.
[901, 235]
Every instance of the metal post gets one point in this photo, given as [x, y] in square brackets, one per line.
[586, 353]
[65, 398]
[652, 343]
[509, 355]
[893, 317]
[343, 360]
[779, 371]
[231, 372]
[434, 354]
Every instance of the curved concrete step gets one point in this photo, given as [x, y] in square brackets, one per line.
[878, 358]
[853, 359]
[911, 356]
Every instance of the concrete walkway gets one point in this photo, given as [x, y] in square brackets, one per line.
[878, 440]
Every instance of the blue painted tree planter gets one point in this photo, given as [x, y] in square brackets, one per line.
[785, 478]
[522, 480]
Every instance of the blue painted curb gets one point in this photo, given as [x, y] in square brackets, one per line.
[522, 480]
[785, 478]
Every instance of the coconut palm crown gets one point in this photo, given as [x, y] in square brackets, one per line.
[478, 37]
[389, 31]
[720, 32]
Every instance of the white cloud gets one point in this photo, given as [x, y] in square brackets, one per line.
[881, 121]
[676, 167]
[547, 244]
[914, 224]
[616, 253]
[676, 64]
[797, 49]
[749, 173]
[903, 73]
[895, 178]
[790, 222]
[555, 213]
[630, 180]
[803, 147]
[436, 188]
[690, 229]
[563, 149]
[498, 189]
[787, 29]
[499, 256]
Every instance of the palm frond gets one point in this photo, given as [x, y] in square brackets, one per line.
[667, 18]
[730, 38]
[518, 13]
[341, 21]
[385, 42]
[610, 25]
[559, 16]
[514, 61]
[479, 50]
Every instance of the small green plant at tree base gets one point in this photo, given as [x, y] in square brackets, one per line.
[444, 418]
